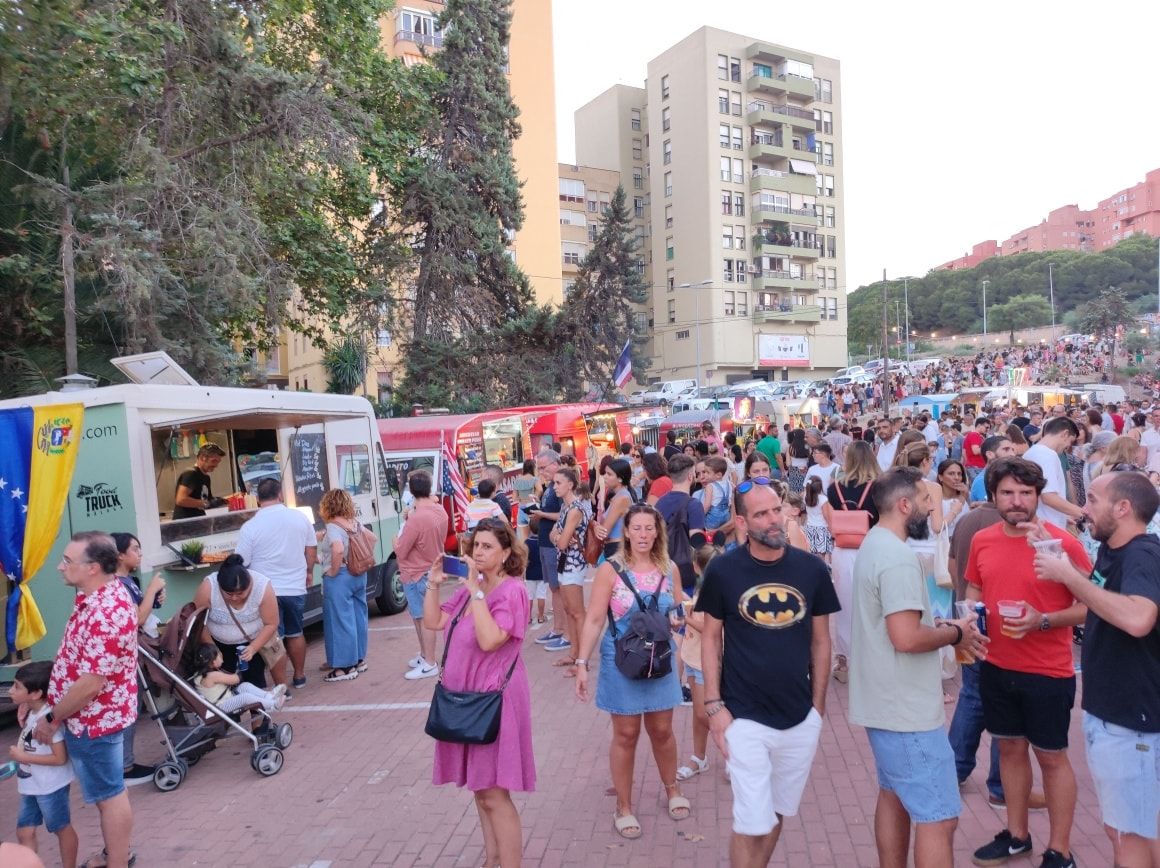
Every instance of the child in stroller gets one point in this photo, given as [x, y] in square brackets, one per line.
[226, 690]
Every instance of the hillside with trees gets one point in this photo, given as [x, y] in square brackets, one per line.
[950, 302]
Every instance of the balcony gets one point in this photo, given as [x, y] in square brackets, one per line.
[773, 149]
[786, 312]
[783, 182]
[427, 39]
[784, 280]
[784, 213]
[767, 246]
[762, 112]
[779, 84]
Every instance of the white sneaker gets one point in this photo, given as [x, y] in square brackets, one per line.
[429, 670]
[279, 694]
[416, 661]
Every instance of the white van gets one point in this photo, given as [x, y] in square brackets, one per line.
[664, 392]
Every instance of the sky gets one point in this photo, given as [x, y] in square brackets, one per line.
[962, 122]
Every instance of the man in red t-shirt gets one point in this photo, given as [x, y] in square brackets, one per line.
[973, 455]
[1027, 683]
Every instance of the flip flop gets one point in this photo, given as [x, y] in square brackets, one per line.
[624, 824]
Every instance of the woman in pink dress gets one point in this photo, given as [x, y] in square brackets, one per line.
[478, 653]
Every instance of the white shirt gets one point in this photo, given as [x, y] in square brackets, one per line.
[826, 474]
[1150, 439]
[274, 543]
[930, 432]
[45, 779]
[1049, 463]
[886, 452]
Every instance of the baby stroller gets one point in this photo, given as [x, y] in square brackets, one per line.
[190, 724]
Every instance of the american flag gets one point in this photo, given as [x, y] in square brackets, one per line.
[453, 486]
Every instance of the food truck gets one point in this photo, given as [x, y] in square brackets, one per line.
[135, 441]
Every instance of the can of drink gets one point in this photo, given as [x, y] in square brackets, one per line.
[981, 611]
[515, 513]
[243, 665]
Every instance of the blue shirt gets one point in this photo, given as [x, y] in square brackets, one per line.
[978, 490]
[548, 503]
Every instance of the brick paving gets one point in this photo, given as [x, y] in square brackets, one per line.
[356, 791]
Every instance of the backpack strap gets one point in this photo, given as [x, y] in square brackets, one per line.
[842, 496]
[623, 573]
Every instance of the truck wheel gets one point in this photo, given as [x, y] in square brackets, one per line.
[391, 599]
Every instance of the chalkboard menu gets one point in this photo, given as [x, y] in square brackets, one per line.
[311, 476]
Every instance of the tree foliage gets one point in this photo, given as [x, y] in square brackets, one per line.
[222, 160]
[1020, 312]
[950, 302]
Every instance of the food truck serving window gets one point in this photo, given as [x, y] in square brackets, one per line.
[503, 443]
[354, 469]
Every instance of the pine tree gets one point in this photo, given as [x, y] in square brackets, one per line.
[597, 317]
[462, 196]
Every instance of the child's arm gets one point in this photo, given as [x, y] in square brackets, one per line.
[220, 677]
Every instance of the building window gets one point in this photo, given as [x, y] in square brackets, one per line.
[672, 310]
[761, 70]
[418, 28]
[637, 153]
[831, 278]
[568, 286]
[635, 116]
[827, 122]
[730, 301]
[592, 206]
[831, 247]
[572, 218]
[639, 322]
[666, 119]
[670, 280]
[637, 179]
[723, 67]
[593, 230]
[667, 151]
[738, 139]
[727, 269]
[723, 101]
[830, 217]
[823, 90]
[829, 185]
[573, 252]
[743, 304]
[668, 216]
[726, 166]
[638, 206]
[727, 237]
[818, 120]
[571, 190]
[739, 237]
[740, 269]
[683, 334]
[738, 170]
[605, 202]
[664, 87]
[827, 153]
[735, 69]
[726, 202]
[739, 204]
[669, 252]
[668, 184]
[735, 103]
[830, 308]
[723, 135]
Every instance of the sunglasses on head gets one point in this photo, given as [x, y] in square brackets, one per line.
[747, 486]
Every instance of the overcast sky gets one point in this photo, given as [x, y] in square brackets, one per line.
[962, 122]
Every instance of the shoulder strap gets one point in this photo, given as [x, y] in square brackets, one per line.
[241, 629]
[447, 644]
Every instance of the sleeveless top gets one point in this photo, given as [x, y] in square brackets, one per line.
[215, 693]
[616, 532]
[221, 625]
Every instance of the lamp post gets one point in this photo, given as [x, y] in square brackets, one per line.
[697, 326]
[985, 282]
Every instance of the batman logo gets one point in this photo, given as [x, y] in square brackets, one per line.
[772, 606]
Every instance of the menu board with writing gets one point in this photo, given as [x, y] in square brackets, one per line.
[311, 476]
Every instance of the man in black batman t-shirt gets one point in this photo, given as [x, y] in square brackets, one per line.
[766, 694]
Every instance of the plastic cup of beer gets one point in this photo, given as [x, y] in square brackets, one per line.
[1010, 609]
[1051, 547]
[964, 609]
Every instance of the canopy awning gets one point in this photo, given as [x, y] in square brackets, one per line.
[256, 419]
[803, 167]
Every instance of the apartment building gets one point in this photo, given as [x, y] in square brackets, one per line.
[585, 194]
[740, 164]
[411, 32]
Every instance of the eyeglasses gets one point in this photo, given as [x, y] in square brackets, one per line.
[68, 562]
[747, 486]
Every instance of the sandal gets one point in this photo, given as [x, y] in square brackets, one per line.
[677, 804]
[841, 671]
[691, 771]
[361, 666]
[541, 620]
[626, 826]
[104, 857]
[567, 661]
[350, 673]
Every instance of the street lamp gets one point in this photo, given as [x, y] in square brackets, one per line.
[906, 303]
[985, 282]
[697, 326]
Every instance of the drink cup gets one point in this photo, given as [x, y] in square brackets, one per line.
[243, 665]
[1010, 609]
[964, 610]
[1052, 547]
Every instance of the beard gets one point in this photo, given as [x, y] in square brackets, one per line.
[1100, 531]
[917, 527]
[1015, 517]
[771, 537]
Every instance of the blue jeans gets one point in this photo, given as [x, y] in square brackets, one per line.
[98, 764]
[967, 730]
[344, 618]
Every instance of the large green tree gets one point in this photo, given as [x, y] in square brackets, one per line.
[597, 316]
[1020, 312]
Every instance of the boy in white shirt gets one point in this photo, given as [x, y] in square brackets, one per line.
[483, 506]
[45, 772]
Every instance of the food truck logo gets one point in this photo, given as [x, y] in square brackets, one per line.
[53, 437]
[99, 498]
[772, 606]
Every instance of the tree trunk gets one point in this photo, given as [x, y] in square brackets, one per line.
[67, 264]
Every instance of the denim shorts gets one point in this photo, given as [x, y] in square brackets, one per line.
[51, 810]
[415, 592]
[919, 768]
[548, 558]
[1125, 767]
[290, 613]
[696, 674]
[99, 764]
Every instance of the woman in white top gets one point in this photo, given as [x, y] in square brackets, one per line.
[243, 611]
[952, 477]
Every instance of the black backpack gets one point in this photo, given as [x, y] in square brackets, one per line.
[645, 649]
[680, 548]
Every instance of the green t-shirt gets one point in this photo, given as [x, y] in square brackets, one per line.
[889, 689]
[770, 447]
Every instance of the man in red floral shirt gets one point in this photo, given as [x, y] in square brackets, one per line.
[93, 689]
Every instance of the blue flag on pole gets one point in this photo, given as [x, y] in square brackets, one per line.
[623, 372]
[15, 474]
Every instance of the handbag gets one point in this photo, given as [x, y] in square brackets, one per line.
[850, 526]
[593, 546]
[465, 716]
[942, 554]
[272, 651]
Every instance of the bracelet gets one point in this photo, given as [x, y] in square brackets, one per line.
[709, 712]
[712, 701]
[958, 633]
[579, 661]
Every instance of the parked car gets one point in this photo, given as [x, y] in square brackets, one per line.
[664, 392]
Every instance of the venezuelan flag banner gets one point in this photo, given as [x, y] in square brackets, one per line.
[36, 467]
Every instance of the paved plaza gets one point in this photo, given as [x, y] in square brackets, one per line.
[356, 791]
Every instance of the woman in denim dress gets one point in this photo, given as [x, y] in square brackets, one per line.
[644, 557]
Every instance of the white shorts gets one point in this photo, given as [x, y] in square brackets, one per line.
[573, 577]
[768, 770]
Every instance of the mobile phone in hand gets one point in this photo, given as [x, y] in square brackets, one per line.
[453, 566]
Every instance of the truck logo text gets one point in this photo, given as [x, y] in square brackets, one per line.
[99, 498]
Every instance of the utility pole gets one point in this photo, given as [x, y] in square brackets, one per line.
[985, 282]
[906, 307]
[885, 347]
[1051, 293]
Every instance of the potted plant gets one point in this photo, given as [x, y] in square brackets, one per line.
[192, 551]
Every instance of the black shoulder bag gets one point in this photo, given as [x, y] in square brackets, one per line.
[462, 716]
[645, 649]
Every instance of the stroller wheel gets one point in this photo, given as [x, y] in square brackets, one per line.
[267, 760]
[283, 735]
[169, 775]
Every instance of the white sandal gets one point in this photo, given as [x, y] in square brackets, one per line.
[698, 765]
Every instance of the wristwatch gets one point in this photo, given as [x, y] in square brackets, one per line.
[50, 717]
[1044, 623]
[479, 595]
